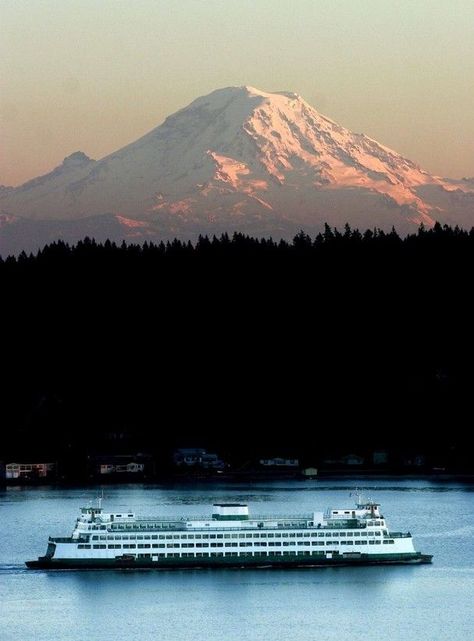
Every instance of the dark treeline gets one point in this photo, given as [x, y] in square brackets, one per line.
[337, 344]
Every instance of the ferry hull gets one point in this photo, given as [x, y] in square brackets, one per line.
[45, 563]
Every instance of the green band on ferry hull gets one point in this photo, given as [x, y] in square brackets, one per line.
[302, 560]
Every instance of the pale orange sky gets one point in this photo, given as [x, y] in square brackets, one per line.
[94, 75]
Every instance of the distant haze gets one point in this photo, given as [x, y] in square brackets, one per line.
[93, 75]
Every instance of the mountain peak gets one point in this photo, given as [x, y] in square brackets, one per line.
[246, 96]
[76, 159]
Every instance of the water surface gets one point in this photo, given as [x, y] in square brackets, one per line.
[402, 602]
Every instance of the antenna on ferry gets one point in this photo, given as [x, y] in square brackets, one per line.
[100, 499]
[358, 494]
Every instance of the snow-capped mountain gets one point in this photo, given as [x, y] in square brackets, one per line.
[238, 159]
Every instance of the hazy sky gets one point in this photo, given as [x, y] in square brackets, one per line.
[93, 75]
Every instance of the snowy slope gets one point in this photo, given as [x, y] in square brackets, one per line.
[243, 159]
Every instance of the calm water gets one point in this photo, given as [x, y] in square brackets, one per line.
[427, 602]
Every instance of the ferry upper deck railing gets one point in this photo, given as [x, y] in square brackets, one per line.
[208, 517]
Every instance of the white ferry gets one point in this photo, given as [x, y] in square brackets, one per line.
[230, 537]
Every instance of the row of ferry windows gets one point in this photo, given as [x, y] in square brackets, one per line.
[255, 535]
[103, 546]
[161, 526]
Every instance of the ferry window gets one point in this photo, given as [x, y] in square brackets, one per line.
[377, 533]
[346, 512]
[371, 542]
[95, 538]
[257, 535]
[205, 536]
[285, 535]
[147, 536]
[132, 546]
[328, 534]
[212, 536]
[103, 538]
[358, 542]
[154, 536]
[363, 542]
[247, 536]
[241, 536]
[292, 535]
[176, 536]
[278, 536]
[349, 542]
[270, 536]
[342, 534]
[334, 534]
[226, 536]
[363, 533]
[321, 534]
[220, 536]
[299, 535]
[356, 533]
[377, 542]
